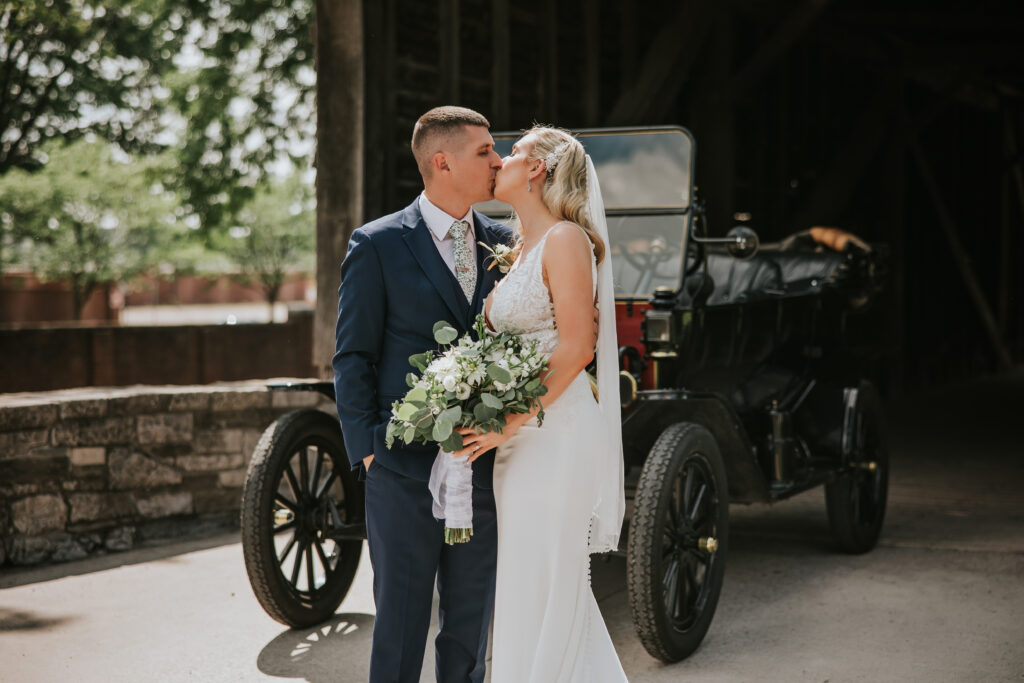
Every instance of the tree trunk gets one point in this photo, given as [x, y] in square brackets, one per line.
[338, 37]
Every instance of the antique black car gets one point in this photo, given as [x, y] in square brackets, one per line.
[739, 385]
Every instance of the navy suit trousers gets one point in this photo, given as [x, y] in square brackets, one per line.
[408, 552]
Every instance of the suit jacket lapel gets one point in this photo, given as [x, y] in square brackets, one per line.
[421, 243]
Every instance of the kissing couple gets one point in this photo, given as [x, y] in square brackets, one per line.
[544, 497]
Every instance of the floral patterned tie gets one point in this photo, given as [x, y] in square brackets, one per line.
[465, 264]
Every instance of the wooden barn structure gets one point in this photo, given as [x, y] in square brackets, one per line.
[899, 121]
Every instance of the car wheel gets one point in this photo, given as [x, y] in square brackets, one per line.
[856, 499]
[678, 536]
[300, 488]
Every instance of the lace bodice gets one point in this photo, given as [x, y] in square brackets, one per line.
[521, 302]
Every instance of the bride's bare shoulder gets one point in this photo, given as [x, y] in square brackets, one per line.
[567, 240]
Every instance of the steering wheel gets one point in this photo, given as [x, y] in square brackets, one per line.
[647, 262]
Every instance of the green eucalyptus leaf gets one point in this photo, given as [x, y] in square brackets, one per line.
[452, 443]
[483, 412]
[454, 414]
[418, 394]
[442, 430]
[491, 401]
[498, 373]
[444, 333]
[409, 435]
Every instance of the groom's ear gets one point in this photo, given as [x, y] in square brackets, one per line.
[440, 163]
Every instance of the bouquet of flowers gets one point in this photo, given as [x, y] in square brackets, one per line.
[471, 383]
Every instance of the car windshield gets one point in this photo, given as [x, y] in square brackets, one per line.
[646, 183]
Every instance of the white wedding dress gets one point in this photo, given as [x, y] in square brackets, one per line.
[547, 625]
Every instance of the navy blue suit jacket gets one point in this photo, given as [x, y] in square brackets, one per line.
[394, 287]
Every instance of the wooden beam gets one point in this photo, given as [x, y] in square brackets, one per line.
[449, 53]
[549, 92]
[339, 54]
[833, 190]
[591, 61]
[500, 65]
[963, 262]
[774, 48]
[666, 65]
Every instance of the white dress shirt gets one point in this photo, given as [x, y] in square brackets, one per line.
[439, 223]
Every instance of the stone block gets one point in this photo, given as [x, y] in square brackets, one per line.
[29, 550]
[189, 401]
[221, 401]
[44, 468]
[95, 432]
[294, 399]
[218, 501]
[218, 441]
[207, 463]
[131, 470]
[88, 455]
[165, 428]
[96, 480]
[88, 407]
[165, 505]
[250, 437]
[20, 443]
[36, 514]
[90, 507]
[134, 404]
[65, 547]
[122, 538]
[232, 478]
[27, 416]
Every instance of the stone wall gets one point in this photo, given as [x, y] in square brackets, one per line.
[87, 471]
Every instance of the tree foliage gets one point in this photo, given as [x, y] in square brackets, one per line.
[89, 218]
[276, 234]
[68, 67]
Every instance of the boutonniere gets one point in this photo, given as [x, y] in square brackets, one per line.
[502, 256]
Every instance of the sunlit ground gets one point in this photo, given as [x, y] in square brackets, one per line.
[204, 314]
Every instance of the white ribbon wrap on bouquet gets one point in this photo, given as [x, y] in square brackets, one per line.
[451, 485]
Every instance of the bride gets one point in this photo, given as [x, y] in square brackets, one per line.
[558, 487]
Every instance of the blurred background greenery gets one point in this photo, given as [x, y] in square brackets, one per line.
[156, 138]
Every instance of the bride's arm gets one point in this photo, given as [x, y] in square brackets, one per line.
[567, 269]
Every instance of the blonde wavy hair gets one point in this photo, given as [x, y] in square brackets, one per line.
[564, 190]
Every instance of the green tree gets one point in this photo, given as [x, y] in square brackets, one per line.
[70, 67]
[89, 218]
[247, 97]
[276, 234]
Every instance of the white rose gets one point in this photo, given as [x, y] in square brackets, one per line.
[449, 383]
[462, 391]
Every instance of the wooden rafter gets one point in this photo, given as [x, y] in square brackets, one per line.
[963, 263]
[666, 65]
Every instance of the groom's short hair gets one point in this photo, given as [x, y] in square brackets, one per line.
[435, 128]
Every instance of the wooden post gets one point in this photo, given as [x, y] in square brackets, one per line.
[961, 259]
[339, 159]
[894, 201]
[591, 62]
[449, 51]
[549, 94]
[500, 115]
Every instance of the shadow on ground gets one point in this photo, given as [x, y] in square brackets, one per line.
[332, 651]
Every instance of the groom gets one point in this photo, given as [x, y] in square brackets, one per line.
[403, 273]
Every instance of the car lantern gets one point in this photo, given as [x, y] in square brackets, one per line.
[659, 325]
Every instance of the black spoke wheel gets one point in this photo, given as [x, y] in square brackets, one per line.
[856, 499]
[299, 490]
[678, 535]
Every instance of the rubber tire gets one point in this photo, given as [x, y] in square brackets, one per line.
[854, 537]
[276, 446]
[677, 444]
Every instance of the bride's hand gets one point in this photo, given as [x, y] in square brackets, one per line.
[474, 445]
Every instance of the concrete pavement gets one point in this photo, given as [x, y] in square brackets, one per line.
[940, 599]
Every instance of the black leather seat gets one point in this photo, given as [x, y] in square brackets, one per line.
[805, 270]
[737, 280]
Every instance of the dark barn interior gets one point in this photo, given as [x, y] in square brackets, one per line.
[900, 122]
